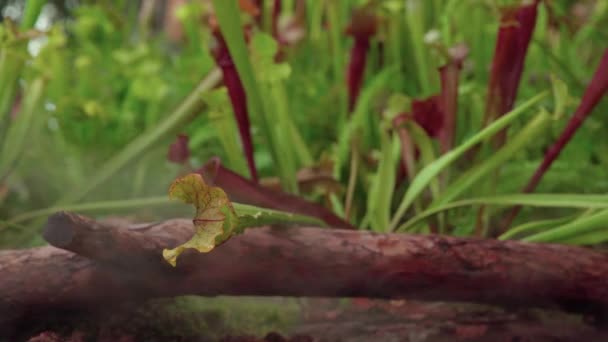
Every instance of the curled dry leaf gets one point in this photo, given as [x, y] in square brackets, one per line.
[215, 219]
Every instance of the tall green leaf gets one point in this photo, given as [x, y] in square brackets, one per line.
[482, 170]
[575, 230]
[425, 176]
[532, 200]
[360, 115]
[258, 100]
[381, 190]
[534, 227]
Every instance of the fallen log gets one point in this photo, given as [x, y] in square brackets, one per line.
[96, 265]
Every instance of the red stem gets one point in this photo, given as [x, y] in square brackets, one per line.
[594, 92]
[356, 69]
[238, 98]
[448, 99]
[362, 27]
[242, 190]
[517, 26]
[596, 89]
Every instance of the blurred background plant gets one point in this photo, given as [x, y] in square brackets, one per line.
[345, 106]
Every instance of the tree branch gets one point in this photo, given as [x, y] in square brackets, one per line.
[102, 264]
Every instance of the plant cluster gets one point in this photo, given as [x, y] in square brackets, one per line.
[435, 116]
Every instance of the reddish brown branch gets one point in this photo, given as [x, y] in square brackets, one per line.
[120, 263]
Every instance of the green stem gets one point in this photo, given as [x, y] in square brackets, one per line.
[31, 12]
[532, 200]
[251, 216]
[12, 60]
[416, 27]
[93, 206]
[228, 17]
[426, 175]
[337, 53]
[19, 129]
[573, 229]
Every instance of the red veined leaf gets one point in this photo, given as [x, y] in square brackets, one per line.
[238, 98]
[242, 190]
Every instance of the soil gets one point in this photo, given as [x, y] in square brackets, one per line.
[280, 319]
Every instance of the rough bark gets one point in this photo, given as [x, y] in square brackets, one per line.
[99, 265]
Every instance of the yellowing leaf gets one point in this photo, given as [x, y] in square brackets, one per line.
[215, 219]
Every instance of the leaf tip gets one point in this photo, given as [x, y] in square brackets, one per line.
[186, 188]
[170, 255]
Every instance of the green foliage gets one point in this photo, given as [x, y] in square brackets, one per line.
[265, 96]
[379, 200]
[588, 229]
[427, 174]
[139, 77]
[84, 122]
[264, 49]
[221, 118]
[214, 318]
[23, 127]
[101, 89]
[531, 200]
[483, 169]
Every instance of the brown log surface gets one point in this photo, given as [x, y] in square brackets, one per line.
[99, 264]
